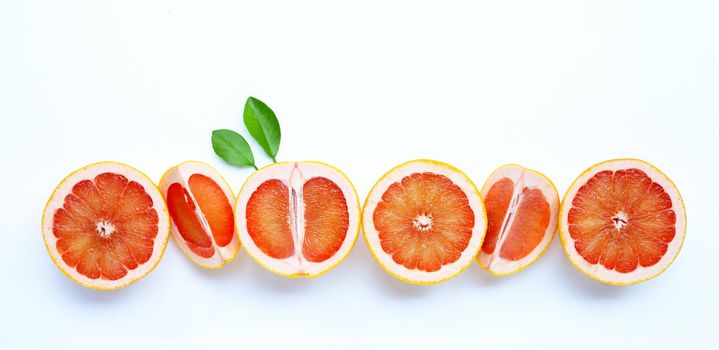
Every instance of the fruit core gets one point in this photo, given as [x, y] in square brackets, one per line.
[423, 222]
[105, 228]
[620, 220]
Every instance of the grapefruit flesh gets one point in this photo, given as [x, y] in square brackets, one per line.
[105, 226]
[326, 219]
[268, 219]
[298, 219]
[424, 221]
[522, 208]
[182, 211]
[623, 221]
[216, 208]
[199, 202]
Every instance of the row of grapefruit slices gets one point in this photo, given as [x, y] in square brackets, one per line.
[107, 225]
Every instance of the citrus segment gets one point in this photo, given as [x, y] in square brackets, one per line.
[268, 219]
[200, 205]
[182, 211]
[105, 226]
[622, 221]
[529, 226]
[216, 208]
[424, 221]
[522, 207]
[326, 219]
[497, 202]
[298, 219]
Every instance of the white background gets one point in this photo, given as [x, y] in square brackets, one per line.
[552, 85]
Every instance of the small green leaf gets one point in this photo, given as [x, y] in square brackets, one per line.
[262, 124]
[233, 148]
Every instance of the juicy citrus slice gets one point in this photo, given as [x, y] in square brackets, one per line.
[298, 219]
[424, 221]
[200, 204]
[622, 221]
[522, 207]
[106, 225]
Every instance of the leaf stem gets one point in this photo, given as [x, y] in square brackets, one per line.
[255, 166]
[274, 160]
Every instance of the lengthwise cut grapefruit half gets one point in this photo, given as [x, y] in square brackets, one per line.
[203, 222]
[522, 208]
[106, 225]
[298, 219]
[424, 221]
[622, 222]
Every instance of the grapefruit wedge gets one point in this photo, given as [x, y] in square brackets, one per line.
[424, 221]
[298, 219]
[622, 221]
[200, 204]
[522, 208]
[106, 225]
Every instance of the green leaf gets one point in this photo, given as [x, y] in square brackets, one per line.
[262, 124]
[233, 148]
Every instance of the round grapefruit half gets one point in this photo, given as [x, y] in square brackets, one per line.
[424, 221]
[522, 208]
[203, 222]
[622, 222]
[106, 225]
[298, 219]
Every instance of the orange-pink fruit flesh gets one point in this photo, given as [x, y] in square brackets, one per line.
[183, 213]
[106, 227]
[528, 221]
[326, 219]
[496, 203]
[424, 221]
[215, 206]
[526, 231]
[268, 219]
[622, 220]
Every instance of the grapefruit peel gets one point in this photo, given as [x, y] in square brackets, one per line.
[65, 186]
[180, 173]
[548, 188]
[668, 186]
[468, 255]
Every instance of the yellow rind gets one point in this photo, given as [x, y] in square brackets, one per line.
[562, 233]
[554, 233]
[189, 255]
[374, 255]
[57, 264]
[330, 267]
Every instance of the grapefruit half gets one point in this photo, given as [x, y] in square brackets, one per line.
[298, 219]
[424, 221]
[622, 221]
[522, 208]
[203, 222]
[106, 225]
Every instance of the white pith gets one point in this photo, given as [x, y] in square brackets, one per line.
[522, 178]
[598, 271]
[181, 174]
[475, 203]
[294, 175]
[89, 173]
